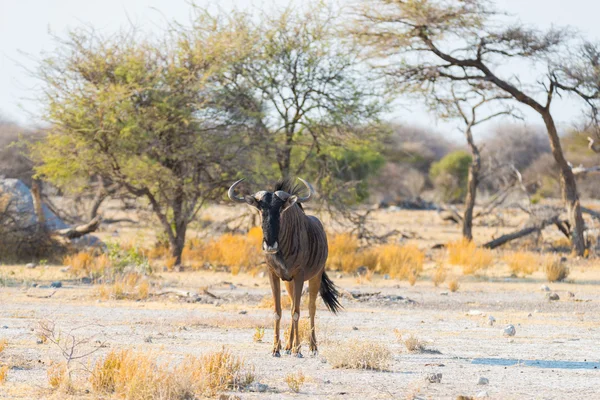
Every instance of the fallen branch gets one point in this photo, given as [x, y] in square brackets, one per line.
[591, 212]
[46, 296]
[554, 220]
[583, 170]
[81, 230]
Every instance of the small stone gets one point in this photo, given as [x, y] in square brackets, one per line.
[544, 288]
[30, 265]
[243, 312]
[85, 280]
[570, 294]
[444, 294]
[56, 284]
[435, 377]
[483, 380]
[491, 320]
[339, 276]
[34, 284]
[362, 271]
[509, 330]
[39, 341]
[258, 387]
[216, 303]
[148, 339]
[474, 313]
[354, 328]
[553, 296]
[65, 269]
[529, 315]
[4, 326]
[482, 395]
[232, 286]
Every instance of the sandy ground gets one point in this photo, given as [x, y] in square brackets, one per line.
[554, 354]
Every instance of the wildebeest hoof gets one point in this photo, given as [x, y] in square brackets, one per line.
[298, 355]
[314, 353]
[288, 352]
[276, 354]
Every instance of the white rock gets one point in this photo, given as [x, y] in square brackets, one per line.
[509, 330]
[482, 395]
[553, 296]
[491, 320]
[30, 265]
[544, 288]
[474, 313]
[435, 377]
[483, 380]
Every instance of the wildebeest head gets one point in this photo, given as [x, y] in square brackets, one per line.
[272, 205]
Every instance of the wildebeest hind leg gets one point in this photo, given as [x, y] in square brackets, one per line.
[298, 283]
[313, 289]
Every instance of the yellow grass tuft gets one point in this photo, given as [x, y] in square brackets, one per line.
[170, 262]
[522, 263]
[3, 373]
[3, 345]
[453, 285]
[556, 270]
[411, 342]
[439, 275]
[343, 250]
[58, 377]
[359, 354]
[134, 375]
[259, 334]
[466, 254]
[267, 302]
[143, 290]
[295, 381]
[402, 262]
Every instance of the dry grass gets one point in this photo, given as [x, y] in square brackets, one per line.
[259, 334]
[3, 373]
[556, 270]
[58, 377]
[359, 354]
[522, 263]
[466, 254]
[267, 302]
[138, 376]
[303, 330]
[295, 381]
[3, 345]
[131, 286]
[412, 343]
[453, 285]
[343, 250]
[439, 275]
[402, 262]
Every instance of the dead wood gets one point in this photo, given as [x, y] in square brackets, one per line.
[594, 214]
[46, 296]
[78, 231]
[537, 227]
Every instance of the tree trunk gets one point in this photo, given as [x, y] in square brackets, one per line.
[177, 241]
[36, 195]
[99, 197]
[473, 182]
[568, 187]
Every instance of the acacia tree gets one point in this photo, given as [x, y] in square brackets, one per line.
[143, 115]
[430, 44]
[301, 89]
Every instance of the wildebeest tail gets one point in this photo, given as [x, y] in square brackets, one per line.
[330, 294]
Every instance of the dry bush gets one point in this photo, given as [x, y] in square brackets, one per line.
[343, 249]
[170, 262]
[303, 330]
[194, 253]
[522, 263]
[3, 373]
[401, 262]
[295, 381]
[131, 286]
[555, 269]
[259, 334]
[359, 354]
[232, 251]
[466, 254]
[439, 276]
[412, 343]
[138, 376]
[143, 290]
[453, 285]
[3, 345]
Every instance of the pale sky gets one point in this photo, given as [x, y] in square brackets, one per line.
[26, 27]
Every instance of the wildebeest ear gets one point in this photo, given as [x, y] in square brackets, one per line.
[289, 202]
[251, 200]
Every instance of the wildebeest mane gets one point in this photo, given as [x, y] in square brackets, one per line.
[287, 185]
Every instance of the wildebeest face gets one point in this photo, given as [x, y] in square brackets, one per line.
[271, 206]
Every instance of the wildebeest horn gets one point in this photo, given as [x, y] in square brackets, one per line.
[231, 193]
[310, 192]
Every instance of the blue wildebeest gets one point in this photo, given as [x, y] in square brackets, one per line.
[295, 248]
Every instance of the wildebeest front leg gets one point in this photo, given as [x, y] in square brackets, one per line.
[298, 282]
[276, 289]
[290, 289]
[313, 289]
